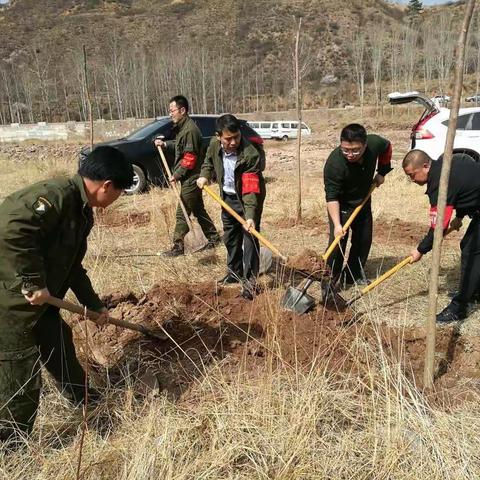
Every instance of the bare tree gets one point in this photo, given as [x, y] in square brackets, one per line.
[359, 47]
[442, 198]
[377, 40]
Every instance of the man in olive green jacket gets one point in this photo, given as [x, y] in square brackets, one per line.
[189, 153]
[237, 166]
[43, 239]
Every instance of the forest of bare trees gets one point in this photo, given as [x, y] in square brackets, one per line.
[128, 80]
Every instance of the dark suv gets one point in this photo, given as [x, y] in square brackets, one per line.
[138, 147]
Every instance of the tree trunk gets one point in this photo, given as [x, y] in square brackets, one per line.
[442, 199]
[299, 128]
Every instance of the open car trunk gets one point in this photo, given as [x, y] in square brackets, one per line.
[397, 98]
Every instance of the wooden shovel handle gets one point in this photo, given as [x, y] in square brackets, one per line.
[91, 315]
[345, 227]
[235, 215]
[175, 189]
[382, 278]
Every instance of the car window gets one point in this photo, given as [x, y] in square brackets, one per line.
[304, 126]
[265, 125]
[275, 125]
[476, 121]
[285, 125]
[253, 124]
[463, 122]
[206, 125]
[155, 128]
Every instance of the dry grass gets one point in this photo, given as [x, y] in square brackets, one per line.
[274, 423]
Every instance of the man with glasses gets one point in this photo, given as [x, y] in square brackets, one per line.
[349, 172]
[188, 154]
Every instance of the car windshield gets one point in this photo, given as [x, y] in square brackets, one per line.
[148, 129]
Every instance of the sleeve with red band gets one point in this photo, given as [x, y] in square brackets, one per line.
[384, 161]
[189, 160]
[446, 219]
[250, 183]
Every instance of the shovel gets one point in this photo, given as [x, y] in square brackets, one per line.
[389, 273]
[93, 316]
[379, 280]
[194, 240]
[297, 299]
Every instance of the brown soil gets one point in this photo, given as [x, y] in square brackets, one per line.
[114, 218]
[309, 262]
[207, 323]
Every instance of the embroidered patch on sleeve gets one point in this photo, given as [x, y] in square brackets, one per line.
[41, 206]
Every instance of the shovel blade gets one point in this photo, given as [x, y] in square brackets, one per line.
[297, 301]
[266, 260]
[194, 240]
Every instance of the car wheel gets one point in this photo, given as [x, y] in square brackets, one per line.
[139, 181]
[285, 138]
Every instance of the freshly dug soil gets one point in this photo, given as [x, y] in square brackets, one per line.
[309, 262]
[206, 323]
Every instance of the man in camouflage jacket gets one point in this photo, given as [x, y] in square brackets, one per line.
[237, 165]
[43, 239]
[188, 153]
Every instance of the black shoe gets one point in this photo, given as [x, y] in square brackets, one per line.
[176, 251]
[211, 244]
[229, 279]
[475, 296]
[348, 281]
[249, 290]
[448, 315]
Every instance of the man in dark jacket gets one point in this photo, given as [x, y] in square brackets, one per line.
[237, 165]
[43, 239]
[348, 176]
[464, 197]
[188, 153]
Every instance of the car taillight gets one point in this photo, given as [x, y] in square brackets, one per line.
[423, 134]
[419, 131]
[257, 140]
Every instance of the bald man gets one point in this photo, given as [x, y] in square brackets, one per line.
[463, 197]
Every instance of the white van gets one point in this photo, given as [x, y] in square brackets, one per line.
[279, 130]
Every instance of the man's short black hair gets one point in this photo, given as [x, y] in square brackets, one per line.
[416, 158]
[107, 163]
[227, 122]
[180, 101]
[354, 133]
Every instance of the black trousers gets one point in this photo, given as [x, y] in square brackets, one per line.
[243, 249]
[470, 267]
[361, 242]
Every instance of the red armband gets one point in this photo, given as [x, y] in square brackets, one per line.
[189, 160]
[386, 157]
[446, 219]
[250, 183]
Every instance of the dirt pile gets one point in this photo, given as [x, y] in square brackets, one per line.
[308, 261]
[206, 323]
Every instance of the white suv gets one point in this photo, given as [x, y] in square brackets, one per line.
[430, 132]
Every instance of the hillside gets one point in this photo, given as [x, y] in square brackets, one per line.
[232, 55]
[237, 27]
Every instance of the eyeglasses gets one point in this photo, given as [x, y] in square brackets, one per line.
[174, 110]
[351, 152]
